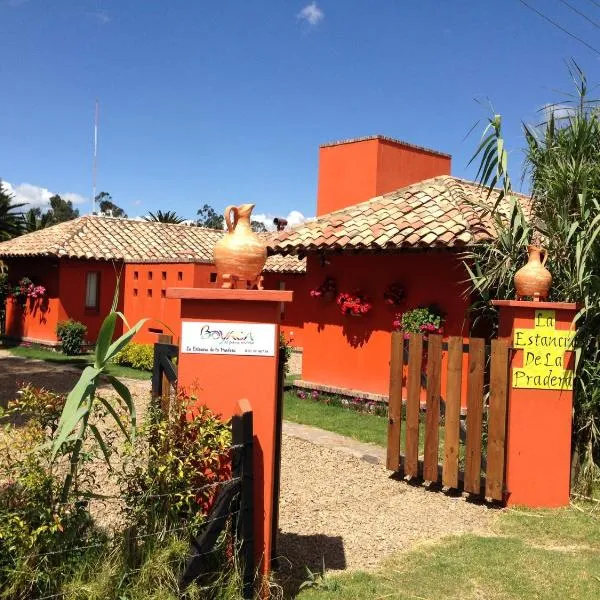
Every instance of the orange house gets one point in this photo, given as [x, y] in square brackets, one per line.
[388, 213]
[79, 262]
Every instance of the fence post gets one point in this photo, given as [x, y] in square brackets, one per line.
[242, 438]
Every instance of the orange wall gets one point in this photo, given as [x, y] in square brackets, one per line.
[72, 281]
[357, 171]
[354, 352]
[293, 314]
[145, 296]
[37, 321]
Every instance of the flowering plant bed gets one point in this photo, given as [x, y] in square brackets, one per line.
[354, 305]
[327, 290]
[394, 294]
[26, 289]
[428, 319]
[358, 405]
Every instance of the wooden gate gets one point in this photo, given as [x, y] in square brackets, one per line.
[467, 454]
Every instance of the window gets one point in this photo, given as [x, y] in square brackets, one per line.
[136, 275]
[213, 277]
[163, 293]
[179, 275]
[92, 291]
[150, 274]
[164, 275]
[135, 292]
[149, 293]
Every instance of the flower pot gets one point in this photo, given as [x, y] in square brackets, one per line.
[534, 280]
[329, 296]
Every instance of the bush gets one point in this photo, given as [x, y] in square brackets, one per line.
[164, 485]
[71, 335]
[137, 356]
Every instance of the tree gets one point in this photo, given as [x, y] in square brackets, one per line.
[11, 223]
[168, 216]
[61, 210]
[258, 226]
[34, 219]
[108, 207]
[208, 217]
[563, 160]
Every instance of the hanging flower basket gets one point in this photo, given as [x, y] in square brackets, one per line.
[327, 290]
[353, 305]
[394, 295]
[26, 290]
[425, 320]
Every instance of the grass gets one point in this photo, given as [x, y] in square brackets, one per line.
[80, 362]
[534, 554]
[361, 427]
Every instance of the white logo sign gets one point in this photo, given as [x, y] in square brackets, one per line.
[249, 339]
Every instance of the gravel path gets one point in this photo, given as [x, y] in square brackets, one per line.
[351, 514]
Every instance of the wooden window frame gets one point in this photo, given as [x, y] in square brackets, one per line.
[92, 310]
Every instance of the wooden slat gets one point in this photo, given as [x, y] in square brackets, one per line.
[474, 416]
[413, 401]
[432, 420]
[452, 415]
[395, 402]
[494, 480]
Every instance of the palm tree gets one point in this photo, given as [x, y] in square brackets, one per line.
[34, 219]
[11, 222]
[168, 216]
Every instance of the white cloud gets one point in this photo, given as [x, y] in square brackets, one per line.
[35, 195]
[311, 13]
[294, 218]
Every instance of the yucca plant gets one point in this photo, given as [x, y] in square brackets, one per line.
[74, 422]
[563, 162]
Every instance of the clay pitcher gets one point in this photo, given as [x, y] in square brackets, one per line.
[534, 279]
[240, 255]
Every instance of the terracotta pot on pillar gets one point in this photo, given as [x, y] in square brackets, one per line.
[240, 255]
[534, 280]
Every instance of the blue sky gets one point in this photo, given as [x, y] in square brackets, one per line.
[227, 102]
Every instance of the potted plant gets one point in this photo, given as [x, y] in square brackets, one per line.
[353, 305]
[26, 289]
[327, 290]
[424, 319]
[394, 294]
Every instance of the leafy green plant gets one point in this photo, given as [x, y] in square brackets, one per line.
[425, 319]
[71, 335]
[74, 421]
[563, 161]
[285, 350]
[137, 356]
[175, 478]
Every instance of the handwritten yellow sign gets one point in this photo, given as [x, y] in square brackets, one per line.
[544, 350]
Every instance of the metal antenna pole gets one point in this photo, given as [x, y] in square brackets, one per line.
[95, 167]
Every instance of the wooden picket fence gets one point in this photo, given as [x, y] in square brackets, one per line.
[486, 397]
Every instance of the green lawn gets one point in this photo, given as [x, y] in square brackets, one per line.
[39, 353]
[546, 555]
[361, 427]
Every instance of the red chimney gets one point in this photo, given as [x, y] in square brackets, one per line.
[356, 170]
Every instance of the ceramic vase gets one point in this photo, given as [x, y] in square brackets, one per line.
[240, 255]
[534, 280]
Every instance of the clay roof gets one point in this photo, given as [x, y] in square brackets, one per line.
[128, 240]
[436, 213]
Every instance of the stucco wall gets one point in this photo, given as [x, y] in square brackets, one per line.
[354, 352]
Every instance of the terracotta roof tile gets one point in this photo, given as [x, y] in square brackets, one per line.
[129, 240]
[438, 212]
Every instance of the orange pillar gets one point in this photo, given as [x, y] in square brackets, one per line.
[229, 349]
[538, 442]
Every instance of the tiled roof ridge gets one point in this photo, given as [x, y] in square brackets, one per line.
[385, 138]
[149, 222]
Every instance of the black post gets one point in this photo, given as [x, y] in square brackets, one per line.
[243, 439]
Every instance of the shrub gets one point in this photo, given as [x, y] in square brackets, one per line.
[138, 356]
[427, 319]
[71, 335]
[285, 351]
[166, 483]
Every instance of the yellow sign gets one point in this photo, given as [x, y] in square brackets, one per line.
[543, 355]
